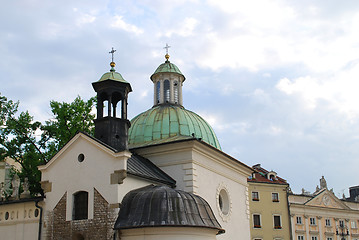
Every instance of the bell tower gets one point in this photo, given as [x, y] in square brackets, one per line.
[111, 124]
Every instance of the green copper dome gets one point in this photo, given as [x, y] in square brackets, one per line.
[112, 75]
[167, 123]
[167, 67]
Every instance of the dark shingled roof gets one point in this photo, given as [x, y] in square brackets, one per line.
[144, 168]
[162, 206]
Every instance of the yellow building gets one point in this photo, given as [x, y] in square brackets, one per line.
[322, 216]
[268, 205]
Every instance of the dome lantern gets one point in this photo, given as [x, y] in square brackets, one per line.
[167, 80]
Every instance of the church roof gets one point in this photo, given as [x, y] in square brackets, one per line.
[167, 123]
[168, 67]
[112, 75]
[144, 168]
[162, 206]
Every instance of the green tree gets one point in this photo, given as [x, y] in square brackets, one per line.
[69, 118]
[20, 137]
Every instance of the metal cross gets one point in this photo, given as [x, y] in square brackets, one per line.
[167, 47]
[112, 52]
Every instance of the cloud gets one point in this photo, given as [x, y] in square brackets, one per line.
[184, 29]
[338, 90]
[119, 23]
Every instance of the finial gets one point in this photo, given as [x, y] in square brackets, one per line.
[112, 64]
[167, 47]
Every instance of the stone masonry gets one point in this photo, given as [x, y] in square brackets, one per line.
[100, 227]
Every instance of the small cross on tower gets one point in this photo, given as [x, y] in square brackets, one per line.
[112, 52]
[167, 47]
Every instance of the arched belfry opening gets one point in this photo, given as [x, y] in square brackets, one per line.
[111, 124]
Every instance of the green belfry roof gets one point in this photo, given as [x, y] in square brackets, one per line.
[167, 67]
[112, 75]
[167, 123]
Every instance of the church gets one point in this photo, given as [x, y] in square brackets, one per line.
[161, 175]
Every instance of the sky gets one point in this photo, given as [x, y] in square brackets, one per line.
[276, 79]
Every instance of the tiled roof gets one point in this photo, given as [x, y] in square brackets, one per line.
[260, 176]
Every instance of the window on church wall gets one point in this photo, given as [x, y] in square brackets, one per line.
[299, 220]
[105, 108]
[158, 91]
[80, 206]
[166, 88]
[312, 221]
[117, 104]
[300, 237]
[175, 91]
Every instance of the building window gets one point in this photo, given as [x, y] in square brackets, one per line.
[175, 91]
[158, 92]
[353, 224]
[314, 238]
[299, 220]
[327, 222]
[341, 223]
[255, 196]
[329, 238]
[275, 197]
[223, 201]
[256, 221]
[166, 87]
[312, 221]
[80, 207]
[300, 237]
[277, 222]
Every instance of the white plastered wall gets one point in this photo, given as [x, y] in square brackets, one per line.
[204, 171]
[67, 175]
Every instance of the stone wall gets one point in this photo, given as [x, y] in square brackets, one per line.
[100, 227]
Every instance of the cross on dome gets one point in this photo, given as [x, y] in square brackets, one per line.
[167, 47]
[112, 64]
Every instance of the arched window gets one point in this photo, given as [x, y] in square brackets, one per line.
[166, 88]
[105, 108]
[175, 89]
[158, 91]
[80, 206]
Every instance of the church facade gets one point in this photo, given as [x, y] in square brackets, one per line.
[161, 176]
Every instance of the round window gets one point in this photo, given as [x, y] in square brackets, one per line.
[223, 201]
[81, 157]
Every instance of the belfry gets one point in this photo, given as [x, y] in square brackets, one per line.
[111, 127]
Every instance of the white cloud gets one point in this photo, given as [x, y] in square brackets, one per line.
[338, 90]
[119, 23]
[185, 28]
[85, 19]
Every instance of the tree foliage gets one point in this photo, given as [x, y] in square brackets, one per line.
[31, 143]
